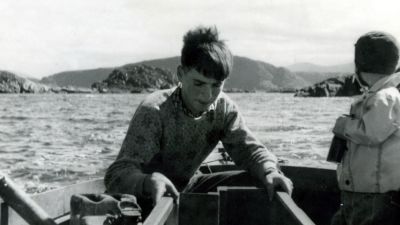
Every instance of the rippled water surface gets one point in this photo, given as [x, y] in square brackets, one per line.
[49, 140]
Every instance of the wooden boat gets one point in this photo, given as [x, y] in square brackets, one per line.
[314, 201]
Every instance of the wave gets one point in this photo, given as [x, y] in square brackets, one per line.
[282, 128]
[15, 117]
[81, 120]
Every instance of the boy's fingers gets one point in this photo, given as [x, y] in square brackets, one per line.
[172, 190]
[270, 187]
[290, 191]
[158, 193]
[158, 196]
[287, 185]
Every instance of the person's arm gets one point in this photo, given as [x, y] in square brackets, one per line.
[250, 154]
[141, 143]
[379, 121]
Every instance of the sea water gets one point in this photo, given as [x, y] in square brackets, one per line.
[51, 140]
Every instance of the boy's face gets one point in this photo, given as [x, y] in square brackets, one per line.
[198, 91]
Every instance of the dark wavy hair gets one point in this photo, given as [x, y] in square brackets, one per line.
[204, 52]
[376, 52]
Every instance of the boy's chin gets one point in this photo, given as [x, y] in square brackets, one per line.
[201, 110]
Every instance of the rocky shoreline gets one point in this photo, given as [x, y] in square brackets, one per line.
[333, 87]
[127, 79]
[144, 79]
[11, 83]
[14, 84]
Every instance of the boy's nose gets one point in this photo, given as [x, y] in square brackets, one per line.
[206, 94]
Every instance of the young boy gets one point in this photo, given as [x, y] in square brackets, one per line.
[173, 131]
[369, 173]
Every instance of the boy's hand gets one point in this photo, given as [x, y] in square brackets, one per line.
[276, 179]
[340, 126]
[158, 185]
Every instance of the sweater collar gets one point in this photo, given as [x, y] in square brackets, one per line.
[179, 104]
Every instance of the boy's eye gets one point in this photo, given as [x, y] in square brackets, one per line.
[217, 85]
[198, 83]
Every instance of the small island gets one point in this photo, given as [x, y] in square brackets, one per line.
[333, 87]
[136, 79]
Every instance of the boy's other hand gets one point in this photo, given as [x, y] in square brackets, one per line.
[276, 179]
[340, 125]
[158, 185]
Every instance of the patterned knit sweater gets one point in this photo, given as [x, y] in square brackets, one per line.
[163, 137]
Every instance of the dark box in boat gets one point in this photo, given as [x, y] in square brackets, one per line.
[337, 149]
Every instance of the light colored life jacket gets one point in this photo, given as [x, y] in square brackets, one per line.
[372, 163]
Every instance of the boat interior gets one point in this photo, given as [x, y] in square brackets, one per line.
[314, 201]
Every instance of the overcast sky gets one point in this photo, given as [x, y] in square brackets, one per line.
[42, 37]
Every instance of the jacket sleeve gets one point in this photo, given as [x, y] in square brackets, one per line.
[246, 151]
[379, 120]
[125, 174]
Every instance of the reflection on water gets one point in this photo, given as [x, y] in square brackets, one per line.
[52, 140]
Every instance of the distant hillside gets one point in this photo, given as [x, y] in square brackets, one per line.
[170, 63]
[315, 77]
[85, 78]
[247, 74]
[79, 78]
[309, 67]
[313, 73]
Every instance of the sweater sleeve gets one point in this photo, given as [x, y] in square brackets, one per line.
[244, 148]
[141, 143]
[379, 120]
